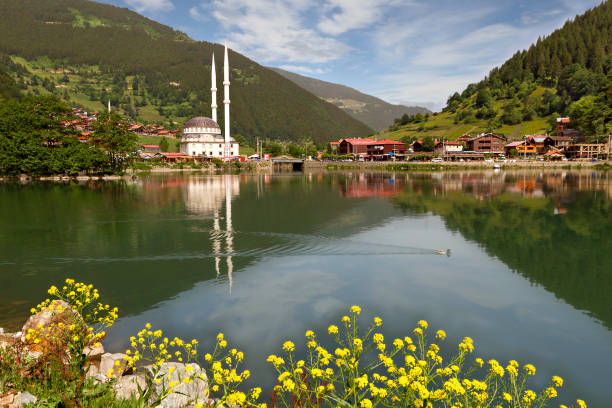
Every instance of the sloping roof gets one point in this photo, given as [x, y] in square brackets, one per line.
[485, 135]
[360, 141]
[173, 154]
[514, 144]
[151, 146]
[387, 141]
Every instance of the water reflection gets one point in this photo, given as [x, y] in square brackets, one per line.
[207, 196]
[264, 258]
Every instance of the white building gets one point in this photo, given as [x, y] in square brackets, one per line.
[201, 135]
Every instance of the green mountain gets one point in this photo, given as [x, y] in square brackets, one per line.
[368, 109]
[568, 73]
[87, 53]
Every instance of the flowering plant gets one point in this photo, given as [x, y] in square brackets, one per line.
[364, 372]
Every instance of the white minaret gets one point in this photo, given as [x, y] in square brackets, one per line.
[213, 89]
[226, 103]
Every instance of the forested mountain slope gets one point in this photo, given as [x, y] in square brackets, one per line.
[568, 73]
[89, 52]
[368, 109]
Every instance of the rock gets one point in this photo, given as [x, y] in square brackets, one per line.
[34, 355]
[7, 339]
[7, 400]
[127, 385]
[185, 394]
[23, 398]
[57, 312]
[91, 370]
[94, 353]
[109, 361]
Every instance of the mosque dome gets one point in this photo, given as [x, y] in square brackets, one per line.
[201, 122]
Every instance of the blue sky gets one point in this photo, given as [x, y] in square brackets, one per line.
[403, 51]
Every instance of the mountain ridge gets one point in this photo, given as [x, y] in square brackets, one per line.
[154, 73]
[374, 112]
[567, 73]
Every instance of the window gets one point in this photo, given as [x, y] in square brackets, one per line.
[211, 153]
[220, 154]
[193, 154]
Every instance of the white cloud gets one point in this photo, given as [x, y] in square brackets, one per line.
[150, 6]
[302, 69]
[345, 15]
[195, 13]
[271, 30]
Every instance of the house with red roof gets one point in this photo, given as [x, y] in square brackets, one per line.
[386, 147]
[354, 146]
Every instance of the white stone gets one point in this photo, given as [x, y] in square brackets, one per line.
[24, 398]
[185, 394]
[107, 361]
[127, 386]
[94, 353]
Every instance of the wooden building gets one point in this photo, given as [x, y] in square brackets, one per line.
[588, 151]
[386, 148]
[354, 146]
[487, 143]
[446, 147]
[541, 142]
[520, 147]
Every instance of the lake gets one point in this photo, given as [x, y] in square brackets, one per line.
[263, 258]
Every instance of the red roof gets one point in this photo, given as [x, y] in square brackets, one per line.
[334, 143]
[387, 141]
[360, 141]
[150, 146]
[173, 154]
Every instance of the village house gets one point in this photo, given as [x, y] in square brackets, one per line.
[386, 148]
[487, 143]
[354, 146]
[448, 147]
[541, 142]
[138, 129]
[564, 130]
[521, 147]
[561, 142]
[588, 151]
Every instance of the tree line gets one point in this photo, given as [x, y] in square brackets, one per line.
[574, 64]
[35, 140]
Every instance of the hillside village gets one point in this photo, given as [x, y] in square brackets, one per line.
[566, 144]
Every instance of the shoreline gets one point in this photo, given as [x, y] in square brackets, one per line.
[267, 167]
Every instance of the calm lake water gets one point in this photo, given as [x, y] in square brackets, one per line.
[263, 258]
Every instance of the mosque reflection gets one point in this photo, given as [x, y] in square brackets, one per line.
[208, 196]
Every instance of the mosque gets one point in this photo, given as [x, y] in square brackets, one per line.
[201, 135]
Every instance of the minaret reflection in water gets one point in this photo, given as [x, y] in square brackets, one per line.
[207, 196]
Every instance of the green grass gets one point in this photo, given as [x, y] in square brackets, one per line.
[173, 144]
[443, 124]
